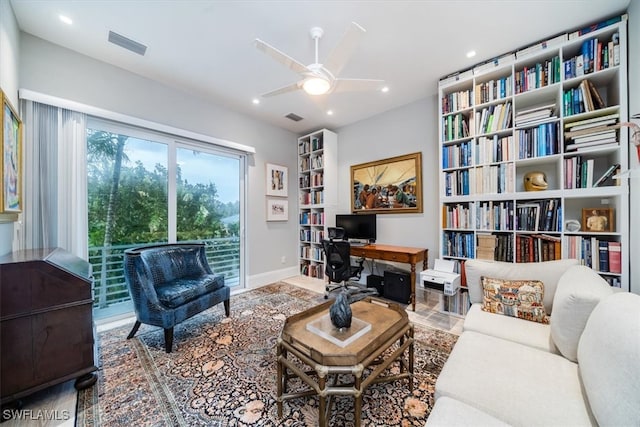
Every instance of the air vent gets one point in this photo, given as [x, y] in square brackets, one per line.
[294, 117]
[127, 43]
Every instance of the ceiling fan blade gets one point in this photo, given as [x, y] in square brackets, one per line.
[281, 57]
[339, 56]
[357, 85]
[284, 89]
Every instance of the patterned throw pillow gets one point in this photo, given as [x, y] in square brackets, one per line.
[516, 298]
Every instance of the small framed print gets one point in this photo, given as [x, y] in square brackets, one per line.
[277, 210]
[11, 153]
[598, 220]
[277, 177]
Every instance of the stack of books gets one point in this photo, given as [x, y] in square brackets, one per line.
[597, 132]
[486, 246]
[535, 115]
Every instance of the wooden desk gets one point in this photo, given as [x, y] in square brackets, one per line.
[393, 253]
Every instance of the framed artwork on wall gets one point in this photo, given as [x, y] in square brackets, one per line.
[598, 219]
[11, 164]
[277, 177]
[277, 209]
[391, 185]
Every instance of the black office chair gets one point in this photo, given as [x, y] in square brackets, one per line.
[337, 252]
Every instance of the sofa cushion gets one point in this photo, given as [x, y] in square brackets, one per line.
[517, 384]
[578, 292]
[609, 358]
[514, 298]
[449, 412]
[548, 272]
[532, 334]
[181, 291]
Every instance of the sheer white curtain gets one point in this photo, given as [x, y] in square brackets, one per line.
[55, 170]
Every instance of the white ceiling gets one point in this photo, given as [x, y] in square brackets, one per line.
[206, 47]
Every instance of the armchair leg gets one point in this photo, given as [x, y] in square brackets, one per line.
[134, 330]
[168, 339]
[227, 308]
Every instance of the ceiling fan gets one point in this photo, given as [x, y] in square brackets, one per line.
[318, 78]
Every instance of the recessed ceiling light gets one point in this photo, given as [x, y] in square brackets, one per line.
[330, 113]
[385, 89]
[65, 19]
[256, 101]
[471, 54]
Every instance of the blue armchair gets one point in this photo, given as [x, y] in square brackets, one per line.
[170, 283]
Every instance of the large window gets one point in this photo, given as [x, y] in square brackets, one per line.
[146, 187]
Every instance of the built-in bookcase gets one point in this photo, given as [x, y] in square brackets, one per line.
[317, 197]
[551, 110]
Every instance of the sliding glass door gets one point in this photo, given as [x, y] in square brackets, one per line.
[146, 187]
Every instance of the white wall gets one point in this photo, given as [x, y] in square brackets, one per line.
[404, 130]
[9, 59]
[634, 108]
[50, 69]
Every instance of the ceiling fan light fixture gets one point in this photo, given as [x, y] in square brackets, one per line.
[316, 86]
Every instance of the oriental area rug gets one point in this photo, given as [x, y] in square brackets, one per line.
[222, 372]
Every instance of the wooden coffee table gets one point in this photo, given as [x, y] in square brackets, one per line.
[323, 364]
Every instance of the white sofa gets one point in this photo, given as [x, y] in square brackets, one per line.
[581, 369]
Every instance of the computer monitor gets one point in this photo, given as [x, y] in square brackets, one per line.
[358, 226]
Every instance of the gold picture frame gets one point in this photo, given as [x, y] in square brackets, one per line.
[392, 185]
[11, 164]
[598, 220]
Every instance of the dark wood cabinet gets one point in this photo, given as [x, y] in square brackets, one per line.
[46, 321]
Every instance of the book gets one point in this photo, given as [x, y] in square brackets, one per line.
[615, 257]
[608, 173]
[595, 136]
[591, 120]
[603, 258]
[588, 131]
[597, 99]
[610, 142]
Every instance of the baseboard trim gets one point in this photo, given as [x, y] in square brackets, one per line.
[262, 279]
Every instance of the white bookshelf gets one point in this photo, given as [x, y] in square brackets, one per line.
[317, 198]
[482, 169]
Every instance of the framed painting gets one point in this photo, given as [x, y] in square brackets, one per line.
[277, 209]
[598, 220]
[277, 177]
[392, 185]
[11, 165]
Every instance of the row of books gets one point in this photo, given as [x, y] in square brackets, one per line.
[597, 132]
[594, 55]
[311, 236]
[495, 247]
[494, 215]
[313, 180]
[600, 255]
[308, 146]
[311, 218]
[495, 179]
[455, 156]
[584, 98]
[457, 101]
[458, 216]
[455, 127]
[540, 75]
[456, 183]
[493, 90]
[493, 118]
[542, 215]
[534, 115]
[312, 198]
[312, 270]
[579, 173]
[494, 149]
[542, 140]
[458, 244]
[537, 248]
[309, 163]
[312, 252]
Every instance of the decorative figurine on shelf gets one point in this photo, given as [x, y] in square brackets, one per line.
[340, 311]
[535, 181]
